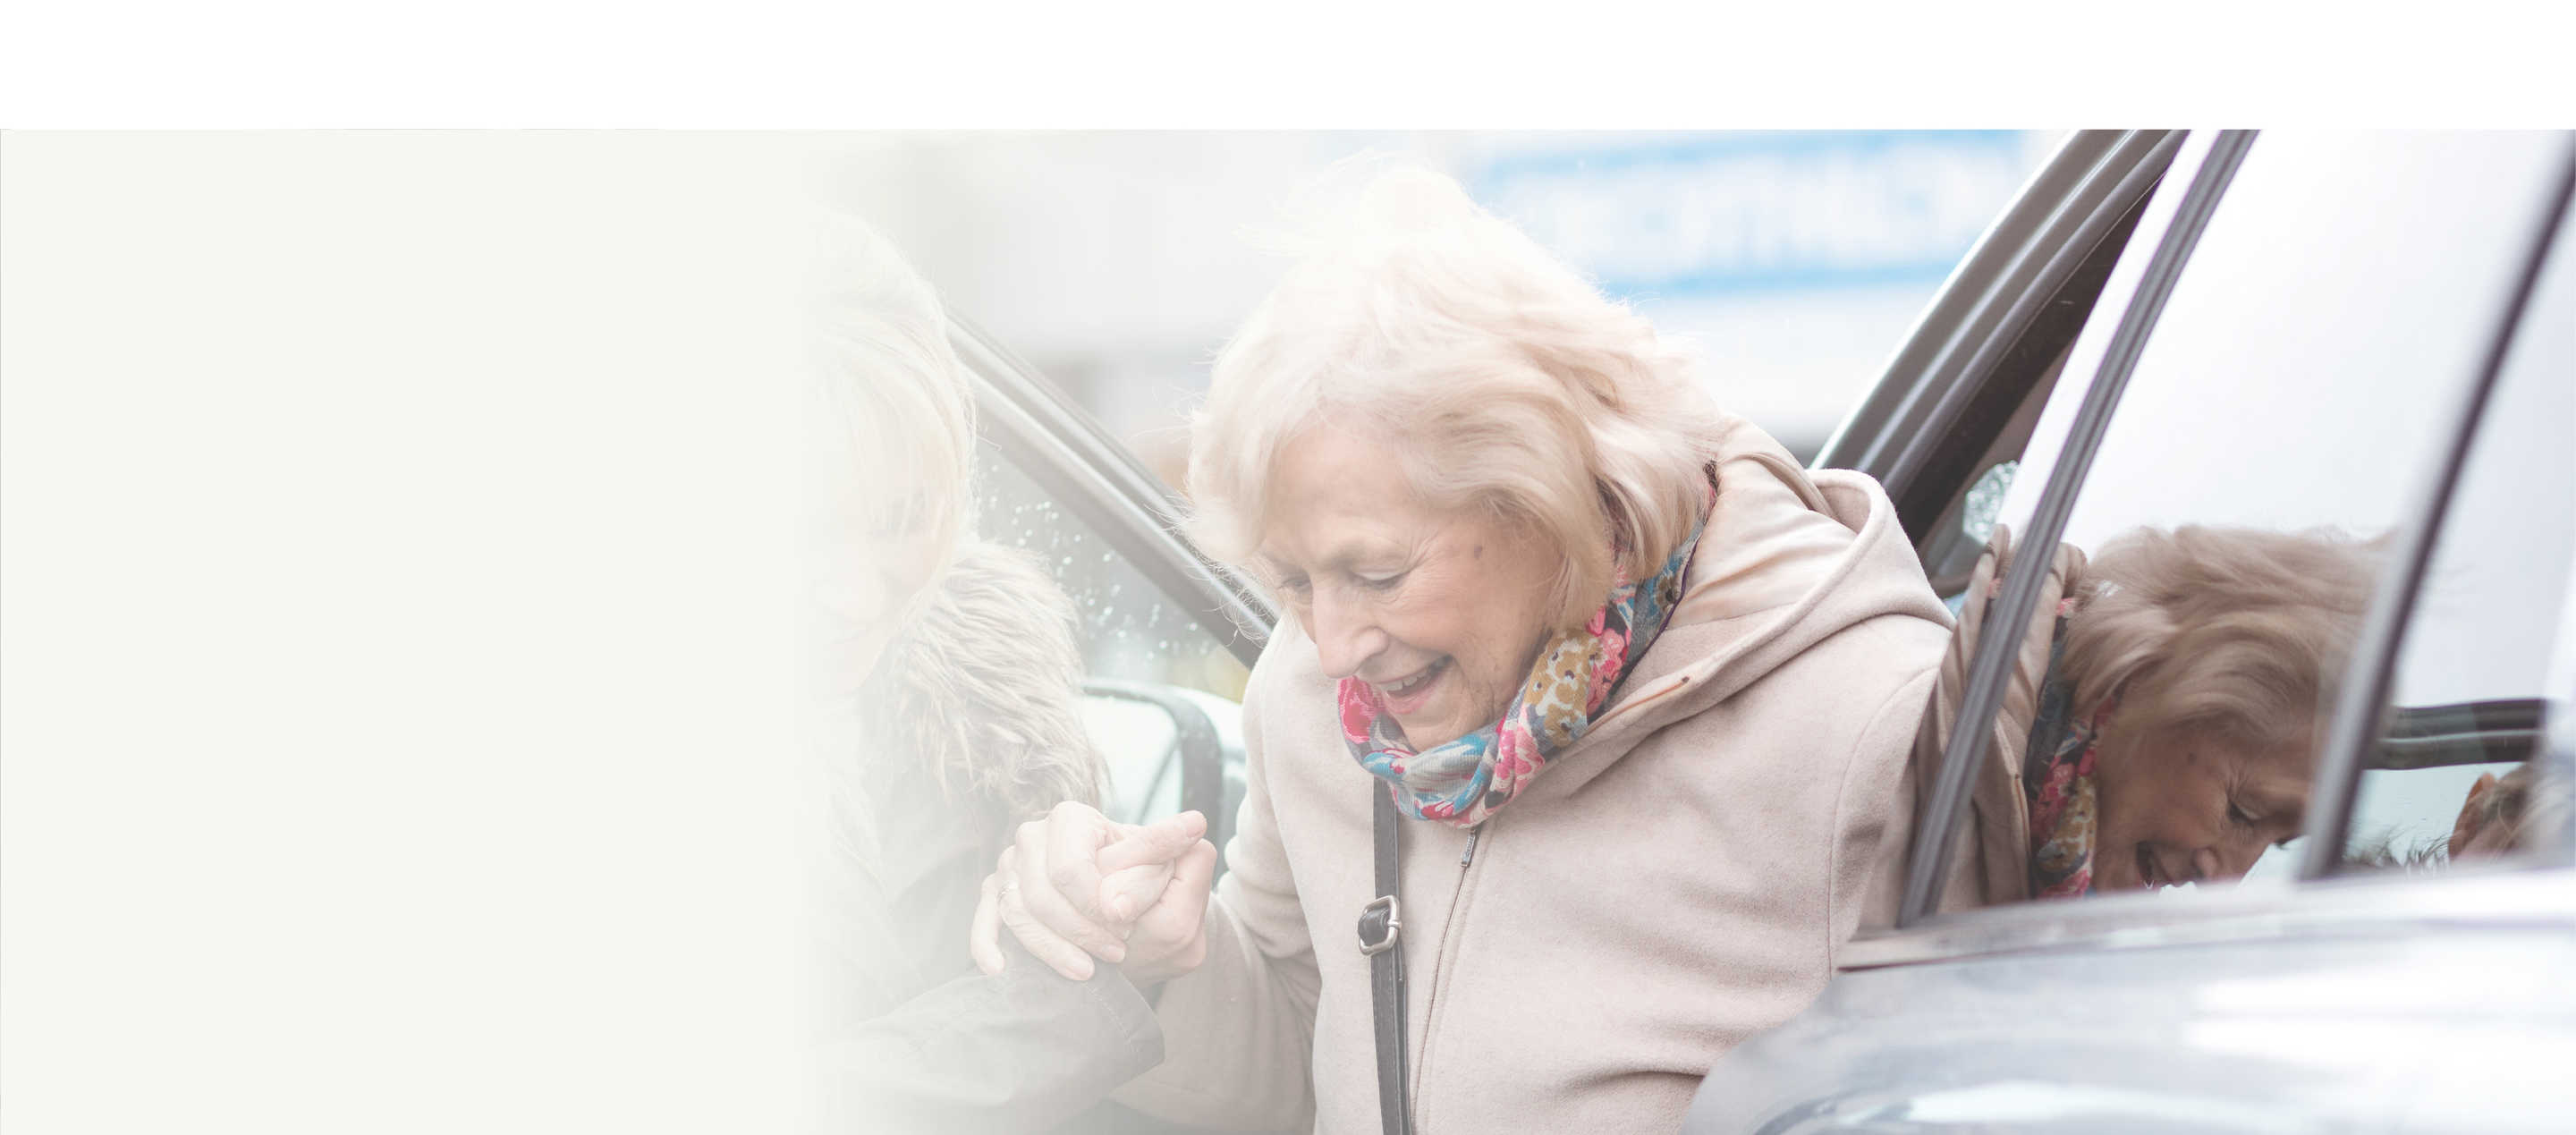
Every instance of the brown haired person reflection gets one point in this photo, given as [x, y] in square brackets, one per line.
[2160, 722]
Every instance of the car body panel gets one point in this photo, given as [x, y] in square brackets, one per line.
[2375, 1017]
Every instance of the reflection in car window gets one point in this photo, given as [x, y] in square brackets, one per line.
[2453, 779]
[2167, 695]
[1130, 631]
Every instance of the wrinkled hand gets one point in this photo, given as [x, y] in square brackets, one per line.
[1077, 885]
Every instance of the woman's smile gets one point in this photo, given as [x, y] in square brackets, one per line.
[2151, 874]
[1407, 695]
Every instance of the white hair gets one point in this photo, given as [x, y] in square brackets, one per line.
[1506, 380]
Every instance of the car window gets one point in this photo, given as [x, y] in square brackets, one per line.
[1159, 680]
[2162, 721]
[1958, 537]
[2454, 778]
[2007, 410]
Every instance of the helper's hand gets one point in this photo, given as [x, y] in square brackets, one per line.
[1049, 886]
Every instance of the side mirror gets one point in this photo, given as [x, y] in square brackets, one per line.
[1153, 735]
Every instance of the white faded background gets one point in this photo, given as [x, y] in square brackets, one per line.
[398, 658]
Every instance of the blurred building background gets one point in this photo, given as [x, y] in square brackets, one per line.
[1117, 262]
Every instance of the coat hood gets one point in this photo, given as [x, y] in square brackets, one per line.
[1996, 866]
[1788, 559]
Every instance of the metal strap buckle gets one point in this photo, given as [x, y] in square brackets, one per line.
[1383, 906]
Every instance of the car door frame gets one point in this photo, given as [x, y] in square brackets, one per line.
[1944, 379]
[1076, 461]
[2206, 165]
[1073, 460]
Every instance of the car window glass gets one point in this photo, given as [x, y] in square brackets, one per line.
[2453, 780]
[1959, 535]
[2007, 408]
[1147, 659]
[2161, 724]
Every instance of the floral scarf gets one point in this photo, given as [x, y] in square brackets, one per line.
[2057, 779]
[1466, 780]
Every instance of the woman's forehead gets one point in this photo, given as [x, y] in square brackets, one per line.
[1305, 539]
[1325, 454]
[2276, 775]
[1328, 488]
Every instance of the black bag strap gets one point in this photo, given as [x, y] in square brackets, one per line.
[1381, 928]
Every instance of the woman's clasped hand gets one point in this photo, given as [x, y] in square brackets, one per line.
[1076, 885]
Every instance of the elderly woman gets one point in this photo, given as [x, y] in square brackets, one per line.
[1635, 688]
[2161, 727]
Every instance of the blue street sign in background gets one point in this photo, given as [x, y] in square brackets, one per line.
[1770, 212]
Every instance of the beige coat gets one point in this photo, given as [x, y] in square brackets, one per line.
[1677, 881]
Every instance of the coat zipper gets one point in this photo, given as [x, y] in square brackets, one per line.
[1439, 963]
[1641, 701]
